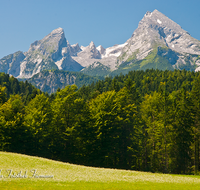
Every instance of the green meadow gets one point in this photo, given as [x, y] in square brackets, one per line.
[27, 172]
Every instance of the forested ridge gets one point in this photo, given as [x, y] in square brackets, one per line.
[10, 86]
[145, 120]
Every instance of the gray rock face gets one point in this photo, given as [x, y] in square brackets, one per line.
[52, 52]
[87, 55]
[96, 69]
[74, 49]
[51, 45]
[156, 38]
[49, 81]
[11, 64]
[68, 64]
[101, 49]
[169, 55]
[155, 30]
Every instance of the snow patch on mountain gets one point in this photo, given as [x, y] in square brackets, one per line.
[155, 33]
[157, 30]
[159, 21]
[101, 49]
[113, 51]
[59, 63]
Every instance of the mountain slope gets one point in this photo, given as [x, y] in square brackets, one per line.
[52, 52]
[157, 43]
[91, 54]
[96, 69]
[49, 81]
[156, 32]
[11, 64]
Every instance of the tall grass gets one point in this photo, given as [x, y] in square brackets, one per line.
[70, 176]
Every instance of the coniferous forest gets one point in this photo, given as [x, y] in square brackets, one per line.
[145, 120]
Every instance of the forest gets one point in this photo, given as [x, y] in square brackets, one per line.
[145, 120]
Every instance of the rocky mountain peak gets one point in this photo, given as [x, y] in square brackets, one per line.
[56, 36]
[50, 43]
[58, 31]
[90, 51]
[156, 30]
[101, 49]
[75, 48]
[11, 64]
[158, 40]
[92, 46]
[158, 19]
[51, 52]
[148, 13]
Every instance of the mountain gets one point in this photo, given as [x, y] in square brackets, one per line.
[52, 52]
[97, 69]
[50, 80]
[55, 52]
[11, 64]
[157, 43]
[91, 54]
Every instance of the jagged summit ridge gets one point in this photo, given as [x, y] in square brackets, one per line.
[54, 39]
[101, 49]
[171, 33]
[51, 52]
[92, 46]
[158, 18]
[92, 54]
[157, 30]
[156, 38]
[57, 31]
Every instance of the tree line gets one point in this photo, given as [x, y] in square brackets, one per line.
[145, 120]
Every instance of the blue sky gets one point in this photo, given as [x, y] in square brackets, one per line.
[105, 22]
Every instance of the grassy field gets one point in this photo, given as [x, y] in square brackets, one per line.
[26, 172]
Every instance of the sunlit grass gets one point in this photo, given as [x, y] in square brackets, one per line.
[69, 176]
